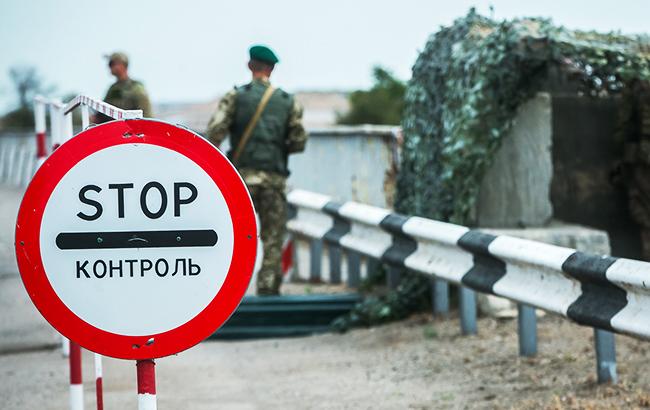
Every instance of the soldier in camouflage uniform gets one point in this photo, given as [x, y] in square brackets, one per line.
[262, 159]
[634, 130]
[125, 93]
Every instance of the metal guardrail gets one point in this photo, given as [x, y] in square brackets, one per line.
[607, 293]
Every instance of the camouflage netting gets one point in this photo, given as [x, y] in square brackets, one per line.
[466, 87]
[460, 103]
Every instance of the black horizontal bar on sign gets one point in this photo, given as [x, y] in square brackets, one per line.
[136, 239]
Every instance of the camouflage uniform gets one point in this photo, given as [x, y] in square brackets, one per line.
[266, 188]
[127, 95]
[634, 130]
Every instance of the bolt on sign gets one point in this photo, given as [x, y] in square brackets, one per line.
[136, 239]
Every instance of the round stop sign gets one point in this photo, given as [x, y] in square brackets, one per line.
[136, 239]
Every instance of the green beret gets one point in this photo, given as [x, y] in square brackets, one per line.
[263, 53]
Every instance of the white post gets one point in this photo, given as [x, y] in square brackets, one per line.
[55, 125]
[65, 346]
[67, 126]
[99, 384]
[85, 117]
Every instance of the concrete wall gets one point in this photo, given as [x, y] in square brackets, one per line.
[515, 191]
[349, 164]
[558, 162]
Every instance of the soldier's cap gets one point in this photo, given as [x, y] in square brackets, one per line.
[263, 53]
[117, 56]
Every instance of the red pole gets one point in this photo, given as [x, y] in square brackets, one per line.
[76, 386]
[39, 121]
[146, 384]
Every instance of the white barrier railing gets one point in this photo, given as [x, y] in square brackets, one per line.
[607, 293]
[19, 158]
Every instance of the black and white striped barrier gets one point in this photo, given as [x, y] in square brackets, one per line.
[607, 293]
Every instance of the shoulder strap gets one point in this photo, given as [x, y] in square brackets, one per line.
[248, 131]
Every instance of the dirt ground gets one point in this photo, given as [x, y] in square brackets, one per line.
[417, 364]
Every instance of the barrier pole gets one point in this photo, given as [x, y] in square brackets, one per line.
[67, 126]
[65, 346]
[527, 321]
[85, 117]
[99, 387]
[440, 296]
[334, 254]
[393, 276]
[55, 124]
[605, 356]
[315, 259]
[467, 310]
[354, 269]
[39, 121]
[146, 375]
[76, 386]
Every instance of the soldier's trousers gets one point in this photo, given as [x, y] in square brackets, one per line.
[271, 206]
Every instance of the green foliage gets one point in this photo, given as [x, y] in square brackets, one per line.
[465, 90]
[19, 118]
[382, 104]
[411, 295]
[27, 84]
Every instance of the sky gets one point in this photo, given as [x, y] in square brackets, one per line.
[194, 51]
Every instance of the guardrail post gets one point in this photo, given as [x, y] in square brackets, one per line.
[393, 276]
[605, 356]
[334, 253]
[372, 266]
[440, 296]
[354, 269]
[315, 259]
[527, 321]
[467, 310]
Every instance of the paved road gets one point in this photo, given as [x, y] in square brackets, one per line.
[22, 328]
[9, 203]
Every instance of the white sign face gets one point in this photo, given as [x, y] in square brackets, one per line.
[136, 239]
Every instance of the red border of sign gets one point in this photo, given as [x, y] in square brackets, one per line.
[206, 156]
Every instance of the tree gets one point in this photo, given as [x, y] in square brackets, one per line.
[27, 84]
[382, 104]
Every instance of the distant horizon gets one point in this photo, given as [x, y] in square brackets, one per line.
[195, 51]
[213, 99]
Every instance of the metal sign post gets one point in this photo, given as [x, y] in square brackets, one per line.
[146, 375]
